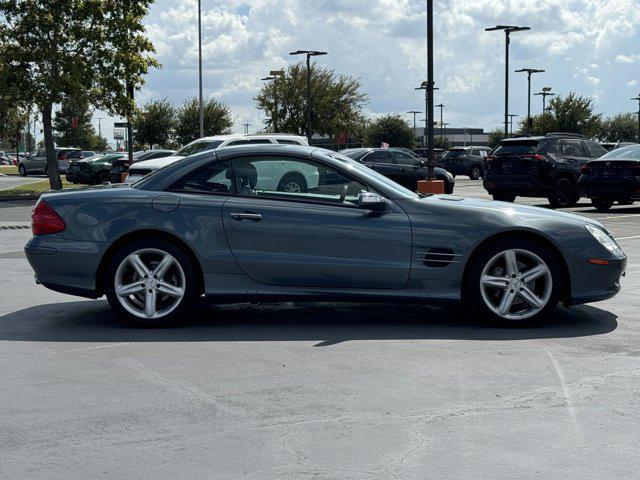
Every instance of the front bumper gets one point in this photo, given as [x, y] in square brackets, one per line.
[594, 283]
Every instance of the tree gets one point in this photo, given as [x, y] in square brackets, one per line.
[620, 128]
[74, 111]
[495, 136]
[445, 143]
[54, 49]
[391, 129]
[153, 125]
[218, 120]
[571, 114]
[336, 101]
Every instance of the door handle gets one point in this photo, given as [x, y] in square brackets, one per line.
[254, 217]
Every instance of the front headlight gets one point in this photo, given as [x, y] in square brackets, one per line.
[604, 239]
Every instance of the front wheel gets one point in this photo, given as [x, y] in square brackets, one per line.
[514, 282]
[601, 204]
[150, 283]
[625, 201]
[22, 171]
[475, 173]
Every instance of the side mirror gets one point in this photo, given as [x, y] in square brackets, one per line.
[372, 201]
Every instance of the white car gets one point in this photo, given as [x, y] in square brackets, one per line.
[140, 169]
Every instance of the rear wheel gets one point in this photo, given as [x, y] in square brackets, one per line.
[602, 204]
[514, 282]
[564, 194]
[292, 182]
[625, 201]
[22, 170]
[150, 283]
[475, 173]
[504, 197]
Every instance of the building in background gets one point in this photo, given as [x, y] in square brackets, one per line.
[457, 137]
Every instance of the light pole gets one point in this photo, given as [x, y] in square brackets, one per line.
[441, 107]
[507, 37]
[246, 128]
[200, 104]
[638, 99]
[414, 112]
[275, 101]
[511, 115]
[529, 71]
[423, 86]
[546, 92]
[309, 54]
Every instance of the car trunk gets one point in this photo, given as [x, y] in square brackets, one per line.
[614, 169]
[514, 158]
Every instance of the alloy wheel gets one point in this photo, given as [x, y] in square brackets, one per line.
[149, 283]
[292, 187]
[516, 284]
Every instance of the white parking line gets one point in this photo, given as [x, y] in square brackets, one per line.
[628, 238]
[618, 216]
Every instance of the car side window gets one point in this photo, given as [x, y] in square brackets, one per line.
[595, 150]
[404, 158]
[572, 147]
[294, 179]
[285, 141]
[381, 156]
[214, 178]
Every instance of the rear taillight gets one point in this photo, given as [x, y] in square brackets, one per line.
[586, 169]
[45, 220]
[490, 159]
[62, 157]
[535, 156]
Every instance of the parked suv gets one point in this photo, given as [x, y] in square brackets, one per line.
[37, 162]
[400, 165]
[546, 166]
[468, 161]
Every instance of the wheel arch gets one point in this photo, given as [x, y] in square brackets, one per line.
[538, 238]
[140, 235]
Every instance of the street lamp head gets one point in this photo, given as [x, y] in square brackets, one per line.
[507, 28]
[267, 78]
[414, 111]
[530, 70]
[277, 73]
[546, 89]
[311, 53]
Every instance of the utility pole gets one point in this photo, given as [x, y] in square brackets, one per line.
[511, 115]
[200, 103]
[546, 92]
[246, 128]
[414, 112]
[423, 86]
[529, 71]
[638, 99]
[507, 38]
[309, 54]
[441, 107]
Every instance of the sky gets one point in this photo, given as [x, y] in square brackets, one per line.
[591, 47]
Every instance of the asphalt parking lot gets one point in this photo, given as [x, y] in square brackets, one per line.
[321, 391]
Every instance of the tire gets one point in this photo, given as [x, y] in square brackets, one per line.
[486, 297]
[601, 204]
[564, 194]
[180, 280]
[475, 173]
[504, 197]
[22, 170]
[292, 182]
[625, 201]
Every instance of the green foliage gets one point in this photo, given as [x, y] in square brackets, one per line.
[154, 123]
[218, 120]
[336, 102]
[391, 129]
[445, 143]
[82, 136]
[620, 128]
[51, 50]
[571, 114]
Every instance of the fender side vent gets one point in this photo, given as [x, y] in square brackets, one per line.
[438, 257]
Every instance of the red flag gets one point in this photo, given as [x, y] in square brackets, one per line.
[384, 145]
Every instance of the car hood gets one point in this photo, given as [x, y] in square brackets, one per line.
[514, 213]
[155, 163]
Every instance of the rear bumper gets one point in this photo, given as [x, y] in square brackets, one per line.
[65, 266]
[520, 185]
[614, 190]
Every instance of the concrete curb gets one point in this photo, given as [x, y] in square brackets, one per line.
[13, 198]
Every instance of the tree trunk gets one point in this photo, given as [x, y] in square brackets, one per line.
[52, 161]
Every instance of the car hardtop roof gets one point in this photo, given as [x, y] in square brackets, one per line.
[524, 137]
[232, 136]
[462, 147]
[263, 149]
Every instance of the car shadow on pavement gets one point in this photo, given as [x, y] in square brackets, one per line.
[323, 323]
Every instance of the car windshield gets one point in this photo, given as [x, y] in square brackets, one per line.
[454, 153]
[624, 153]
[399, 190]
[353, 154]
[198, 146]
